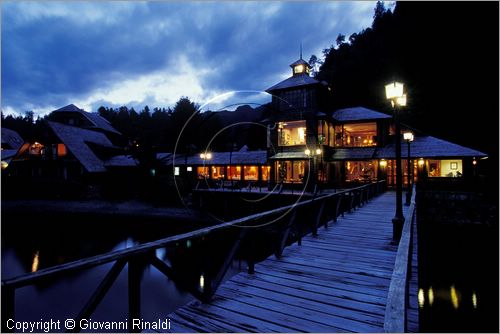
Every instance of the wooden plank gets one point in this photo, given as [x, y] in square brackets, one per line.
[374, 296]
[313, 321]
[337, 281]
[322, 295]
[309, 304]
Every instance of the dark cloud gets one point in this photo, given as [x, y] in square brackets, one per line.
[138, 53]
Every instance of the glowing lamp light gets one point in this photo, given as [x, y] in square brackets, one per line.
[420, 162]
[421, 298]
[454, 297]
[36, 262]
[474, 299]
[202, 281]
[207, 156]
[383, 163]
[298, 69]
[474, 162]
[394, 90]
[430, 294]
[318, 151]
[307, 152]
[401, 101]
[408, 136]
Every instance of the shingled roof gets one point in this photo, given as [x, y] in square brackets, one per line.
[430, 147]
[76, 140]
[218, 158]
[11, 139]
[354, 153]
[295, 81]
[358, 114]
[94, 118]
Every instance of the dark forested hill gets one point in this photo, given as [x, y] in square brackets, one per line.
[446, 53]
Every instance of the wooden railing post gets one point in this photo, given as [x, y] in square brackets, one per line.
[134, 292]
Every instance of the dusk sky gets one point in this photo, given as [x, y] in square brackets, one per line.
[152, 53]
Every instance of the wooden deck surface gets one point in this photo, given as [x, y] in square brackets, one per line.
[335, 282]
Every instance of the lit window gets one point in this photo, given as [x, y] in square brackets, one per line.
[251, 173]
[298, 69]
[61, 150]
[203, 172]
[177, 171]
[234, 172]
[266, 172]
[292, 133]
[36, 148]
[359, 134]
[217, 172]
[189, 168]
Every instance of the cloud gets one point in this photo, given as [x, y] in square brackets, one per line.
[121, 53]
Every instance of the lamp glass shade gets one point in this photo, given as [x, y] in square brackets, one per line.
[383, 163]
[394, 90]
[318, 151]
[307, 152]
[401, 101]
[408, 136]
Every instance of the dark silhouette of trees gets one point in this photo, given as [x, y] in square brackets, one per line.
[445, 53]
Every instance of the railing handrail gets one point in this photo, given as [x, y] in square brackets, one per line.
[30, 278]
[397, 298]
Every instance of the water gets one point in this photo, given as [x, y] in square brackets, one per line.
[31, 243]
[458, 278]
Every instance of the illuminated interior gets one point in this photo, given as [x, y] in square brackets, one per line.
[217, 172]
[36, 148]
[444, 168]
[358, 135]
[361, 170]
[251, 173]
[266, 172]
[291, 171]
[292, 133]
[203, 172]
[298, 69]
[234, 172]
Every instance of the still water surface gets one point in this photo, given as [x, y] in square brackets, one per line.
[458, 278]
[37, 243]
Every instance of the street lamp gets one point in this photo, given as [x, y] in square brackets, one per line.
[408, 137]
[313, 154]
[394, 92]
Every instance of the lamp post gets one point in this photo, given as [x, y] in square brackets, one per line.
[408, 137]
[394, 92]
[314, 176]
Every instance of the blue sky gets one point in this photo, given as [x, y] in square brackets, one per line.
[152, 53]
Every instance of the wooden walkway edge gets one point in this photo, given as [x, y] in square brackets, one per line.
[335, 282]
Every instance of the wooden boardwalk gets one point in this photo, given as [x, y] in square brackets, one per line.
[335, 282]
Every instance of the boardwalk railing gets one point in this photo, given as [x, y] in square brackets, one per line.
[197, 261]
[397, 299]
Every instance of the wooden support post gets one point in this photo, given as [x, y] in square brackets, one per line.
[99, 293]
[318, 218]
[8, 307]
[282, 242]
[134, 292]
[337, 207]
[251, 255]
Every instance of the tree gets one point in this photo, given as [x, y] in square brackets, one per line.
[340, 39]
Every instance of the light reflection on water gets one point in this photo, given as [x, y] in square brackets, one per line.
[458, 293]
[31, 249]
